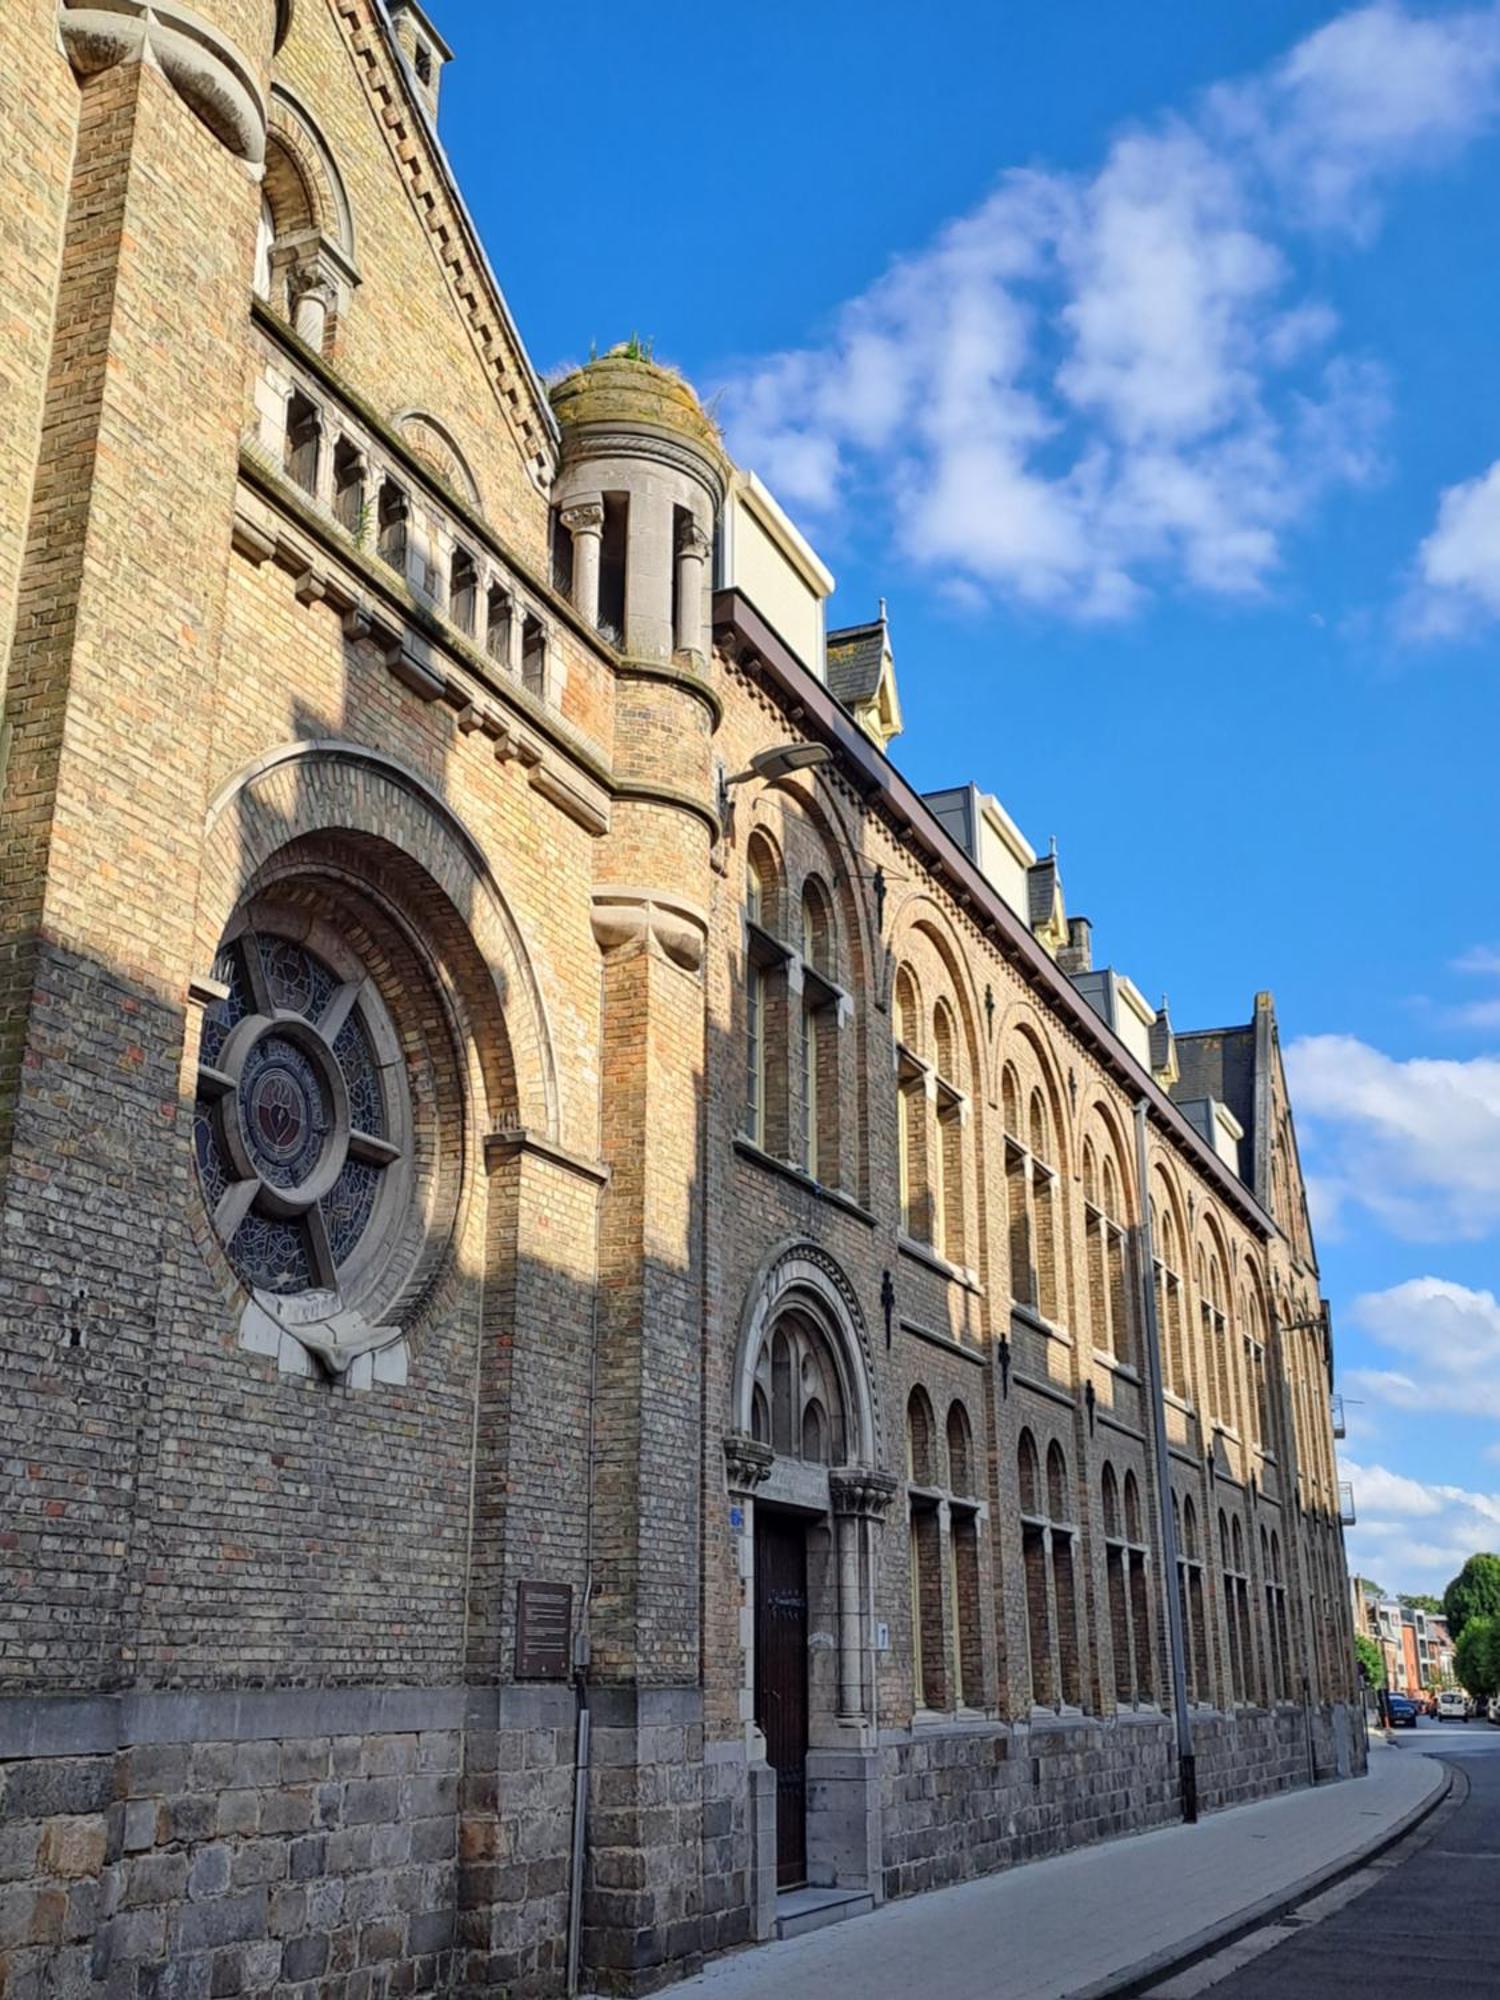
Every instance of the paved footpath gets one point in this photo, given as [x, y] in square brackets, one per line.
[1088, 1920]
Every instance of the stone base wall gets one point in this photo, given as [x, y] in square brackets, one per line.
[305, 1843]
[354, 1843]
[964, 1801]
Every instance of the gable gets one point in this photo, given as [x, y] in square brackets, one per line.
[427, 328]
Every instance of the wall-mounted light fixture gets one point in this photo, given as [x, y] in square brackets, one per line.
[768, 766]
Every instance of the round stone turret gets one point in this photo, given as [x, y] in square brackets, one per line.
[643, 478]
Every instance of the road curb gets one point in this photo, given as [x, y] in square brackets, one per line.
[1147, 1972]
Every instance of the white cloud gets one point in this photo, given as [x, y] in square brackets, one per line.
[1095, 384]
[1480, 958]
[1416, 1143]
[1412, 1535]
[1457, 583]
[1447, 1338]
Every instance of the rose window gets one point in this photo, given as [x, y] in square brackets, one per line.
[300, 1116]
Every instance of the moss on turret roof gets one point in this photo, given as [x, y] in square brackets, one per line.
[624, 386]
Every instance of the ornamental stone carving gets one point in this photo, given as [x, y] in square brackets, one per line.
[201, 63]
[861, 1492]
[746, 1461]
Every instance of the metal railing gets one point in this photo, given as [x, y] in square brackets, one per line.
[1336, 1412]
[1346, 1504]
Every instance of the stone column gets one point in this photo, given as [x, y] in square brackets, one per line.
[859, 1497]
[584, 521]
[693, 551]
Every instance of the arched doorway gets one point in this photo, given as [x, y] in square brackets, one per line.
[801, 1466]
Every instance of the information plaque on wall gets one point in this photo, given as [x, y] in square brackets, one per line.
[544, 1623]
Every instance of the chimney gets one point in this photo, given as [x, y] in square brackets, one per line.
[1077, 955]
[424, 48]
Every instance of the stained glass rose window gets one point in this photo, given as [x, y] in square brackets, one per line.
[300, 1110]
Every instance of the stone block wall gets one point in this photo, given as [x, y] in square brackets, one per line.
[411, 1841]
[966, 1801]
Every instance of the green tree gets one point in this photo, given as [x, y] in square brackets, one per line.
[1473, 1593]
[1370, 1658]
[1419, 1600]
[1477, 1657]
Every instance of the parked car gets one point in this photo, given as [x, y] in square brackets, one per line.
[1492, 1708]
[1401, 1711]
[1453, 1705]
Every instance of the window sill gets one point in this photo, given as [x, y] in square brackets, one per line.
[799, 1176]
[1029, 1317]
[1176, 1402]
[1126, 1370]
[923, 1253]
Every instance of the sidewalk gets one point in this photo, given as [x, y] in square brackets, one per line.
[1091, 1920]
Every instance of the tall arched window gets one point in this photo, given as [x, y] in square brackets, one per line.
[820, 1038]
[963, 1561]
[1231, 1613]
[1218, 1359]
[1105, 1241]
[1129, 1590]
[913, 1165]
[1048, 1536]
[1170, 1311]
[765, 1000]
[1035, 1227]
[949, 1234]
[929, 1654]
[1191, 1591]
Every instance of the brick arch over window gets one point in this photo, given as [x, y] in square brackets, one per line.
[430, 440]
[299, 148]
[921, 1440]
[348, 801]
[800, 1276]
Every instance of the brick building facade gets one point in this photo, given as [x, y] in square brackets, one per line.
[475, 1113]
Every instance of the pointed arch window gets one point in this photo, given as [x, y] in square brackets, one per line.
[914, 1167]
[1191, 1597]
[950, 1228]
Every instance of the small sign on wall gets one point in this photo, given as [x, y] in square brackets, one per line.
[544, 1624]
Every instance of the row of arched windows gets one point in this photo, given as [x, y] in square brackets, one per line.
[793, 1016]
[948, 1669]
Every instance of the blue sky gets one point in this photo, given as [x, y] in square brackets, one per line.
[1144, 359]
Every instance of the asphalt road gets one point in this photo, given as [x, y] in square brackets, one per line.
[1430, 1925]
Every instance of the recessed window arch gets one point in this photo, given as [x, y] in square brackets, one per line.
[1171, 1309]
[1104, 1239]
[914, 1166]
[1191, 1598]
[1032, 1201]
[1048, 1536]
[929, 1648]
[960, 1449]
[820, 1018]
[921, 1440]
[798, 1404]
[765, 996]
[950, 1178]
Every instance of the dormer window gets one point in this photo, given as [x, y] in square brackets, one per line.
[424, 65]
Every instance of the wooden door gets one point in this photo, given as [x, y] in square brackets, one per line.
[781, 1680]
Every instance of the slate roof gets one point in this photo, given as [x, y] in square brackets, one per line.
[856, 654]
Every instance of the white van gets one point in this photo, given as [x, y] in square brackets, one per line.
[1453, 1705]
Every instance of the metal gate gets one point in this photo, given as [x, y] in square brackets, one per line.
[781, 1681]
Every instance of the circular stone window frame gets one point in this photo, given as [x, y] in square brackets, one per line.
[348, 1325]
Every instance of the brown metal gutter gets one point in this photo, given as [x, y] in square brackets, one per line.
[874, 775]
